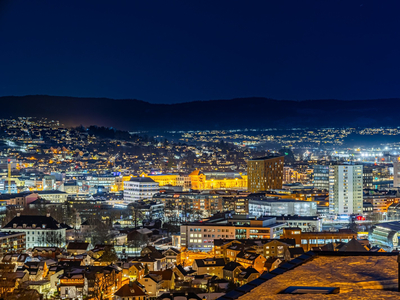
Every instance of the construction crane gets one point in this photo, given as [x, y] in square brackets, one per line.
[9, 176]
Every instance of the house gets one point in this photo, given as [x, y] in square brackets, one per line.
[77, 248]
[130, 291]
[296, 252]
[248, 275]
[167, 277]
[254, 260]
[182, 274]
[49, 252]
[53, 275]
[73, 284]
[160, 261]
[15, 258]
[152, 284]
[37, 270]
[277, 248]
[231, 271]
[272, 263]
[172, 256]
[233, 250]
[211, 266]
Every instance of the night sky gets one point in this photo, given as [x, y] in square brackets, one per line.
[176, 51]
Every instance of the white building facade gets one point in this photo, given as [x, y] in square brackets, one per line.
[139, 188]
[346, 189]
[41, 231]
[396, 173]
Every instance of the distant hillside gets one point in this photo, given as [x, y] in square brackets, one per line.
[213, 114]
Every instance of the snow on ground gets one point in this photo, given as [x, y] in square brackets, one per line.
[359, 277]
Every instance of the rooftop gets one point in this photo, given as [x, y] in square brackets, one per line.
[358, 275]
[141, 179]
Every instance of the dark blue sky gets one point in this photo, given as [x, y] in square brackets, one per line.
[175, 51]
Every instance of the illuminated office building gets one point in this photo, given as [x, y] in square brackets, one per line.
[265, 173]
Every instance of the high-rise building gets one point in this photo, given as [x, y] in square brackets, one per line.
[396, 173]
[368, 177]
[265, 173]
[321, 177]
[138, 188]
[346, 189]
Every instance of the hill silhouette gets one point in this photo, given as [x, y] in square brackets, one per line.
[130, 114]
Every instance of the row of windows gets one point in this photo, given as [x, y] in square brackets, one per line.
[322, 241]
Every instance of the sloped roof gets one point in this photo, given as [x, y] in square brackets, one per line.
[166, 274]
[77, 246]
[353, 245]
[219, 262]
[245, 274]
[296, 251]
[232, 266]
[130, 290]
[49, 222]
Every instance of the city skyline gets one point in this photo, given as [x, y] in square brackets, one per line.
[199, 150]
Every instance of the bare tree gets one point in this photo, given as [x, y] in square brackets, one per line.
[103, 284]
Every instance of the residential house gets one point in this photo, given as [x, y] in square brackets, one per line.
[133, 271]
[130, 291]
[231, 271]
[276, 248]
[254, 260]
[158, 256]
[296, 252]
[172, 256]
[272, 263]
[73, 284]
[168, 278]
[211, 266]
[152, 284]
[77, 248]
[248, 275]
[15, 258]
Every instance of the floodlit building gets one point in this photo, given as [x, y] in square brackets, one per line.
[346, 189]
[265, 173]
[217, 180]
[39, 230]
[138, 188]
[396, 173]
